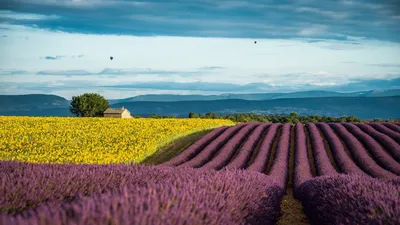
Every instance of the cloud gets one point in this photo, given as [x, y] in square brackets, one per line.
[64, 73]
[200, 18]
[233, 4]
[52, 58]
[314, 41]
[12, 72]
[199, 22]
[6, 14]
[354, 85]
[372, 6]
[342, 46]
[194, 86]
[305, 63]
[373, 84]
[313, 30]
[70, 88]
[211, 68]
[123, 71]
[330, 14]
[57, 57]
[68, 3]
[386, 65]
[323, 73]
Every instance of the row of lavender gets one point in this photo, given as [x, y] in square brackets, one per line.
[120, 194]
[361, 177]
[352, 197]
[343, 191]
[146, 195]
[371, 149]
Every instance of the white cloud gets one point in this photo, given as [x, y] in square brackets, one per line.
[203, 22]
[330, 14]
[87, 3]
[322, 73]
[237, 4]
[371, 6]
[352, 38]
[148, 59]
[314, 30]
[69, 3]
[6, 14]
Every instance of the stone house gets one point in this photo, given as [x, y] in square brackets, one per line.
[117, 113]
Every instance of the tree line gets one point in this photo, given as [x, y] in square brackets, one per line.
[93, 105]
[291, 118]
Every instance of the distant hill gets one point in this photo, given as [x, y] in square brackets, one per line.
[257, 97]
[362, 107]
[38, 112]
[32, 104]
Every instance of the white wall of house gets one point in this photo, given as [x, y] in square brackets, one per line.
[126, 114]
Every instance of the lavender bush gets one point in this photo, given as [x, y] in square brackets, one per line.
[322, 162]
[120, 194]
[280, 167]
[244, 154]
[389, 132]
[302, 169]
[228, 150]
[379, 154]
[172, 193]
[393, 126]
[389, 144]
[195, 148]
[350, 199]
[360, 154]
[262, 157]
[213, 147]
[343, 161]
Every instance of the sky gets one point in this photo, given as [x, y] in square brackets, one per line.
[63, 47]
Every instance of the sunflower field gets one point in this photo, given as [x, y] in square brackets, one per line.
[92, 140]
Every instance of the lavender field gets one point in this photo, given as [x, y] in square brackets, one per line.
[341, 173]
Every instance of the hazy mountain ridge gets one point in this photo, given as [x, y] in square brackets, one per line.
[257, 97]
[10, 103]
[363, 106]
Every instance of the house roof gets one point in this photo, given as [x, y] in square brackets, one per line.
[115, 110]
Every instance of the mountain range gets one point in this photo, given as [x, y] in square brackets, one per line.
[257, 97]
[365, 105]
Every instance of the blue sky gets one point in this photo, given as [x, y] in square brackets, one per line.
[197, 47]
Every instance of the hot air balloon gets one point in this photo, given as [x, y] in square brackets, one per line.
[111, 57]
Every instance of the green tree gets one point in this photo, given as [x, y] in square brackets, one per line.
[232, 118]
[241, 117]
[88, 105]
[352, 119]
[155, 116]
[211, 115]
[193, 115]
[294, 117]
